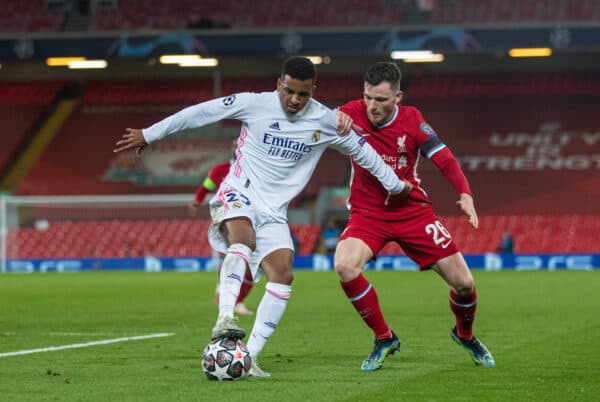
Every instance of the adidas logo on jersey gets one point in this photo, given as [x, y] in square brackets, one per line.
[275, 126]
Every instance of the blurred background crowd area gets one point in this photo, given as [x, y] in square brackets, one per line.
[525, 129]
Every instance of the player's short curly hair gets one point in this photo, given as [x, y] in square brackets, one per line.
[384, 71]
[300, 68]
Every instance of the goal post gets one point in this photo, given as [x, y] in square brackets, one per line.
[51, 232]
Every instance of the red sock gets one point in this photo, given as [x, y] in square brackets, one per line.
[464, 310]
[363, 297]
[247, 284]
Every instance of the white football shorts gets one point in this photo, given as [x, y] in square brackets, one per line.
[271, 234]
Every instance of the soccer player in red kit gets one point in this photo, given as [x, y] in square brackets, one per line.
[400, 136]
[215, 176]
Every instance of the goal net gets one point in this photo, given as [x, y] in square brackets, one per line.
[77, 232]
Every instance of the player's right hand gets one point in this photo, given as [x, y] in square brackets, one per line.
[194, 209]
[132, 139]
[344, 123]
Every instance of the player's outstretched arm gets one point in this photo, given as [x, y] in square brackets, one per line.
[448, 165]
[132, 139]
[467, 207]
[365, 156]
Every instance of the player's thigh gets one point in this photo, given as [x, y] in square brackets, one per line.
[424, 238]
[454, 270]
[351, 255]
[274, 253]
[239, 230]
[368, 235]
[233, 216]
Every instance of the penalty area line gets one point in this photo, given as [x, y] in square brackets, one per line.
[86, 344]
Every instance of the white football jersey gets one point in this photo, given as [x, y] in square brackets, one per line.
[276, 152]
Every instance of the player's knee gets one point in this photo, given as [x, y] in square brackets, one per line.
[464, 287]
[283, 278]
[288, 278]
[346, 267]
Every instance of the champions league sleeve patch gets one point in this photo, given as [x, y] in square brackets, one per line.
[228, 101]
[426, 128]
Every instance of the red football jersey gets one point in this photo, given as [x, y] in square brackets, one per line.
[400, 142]
[216, 175]
[218, 172]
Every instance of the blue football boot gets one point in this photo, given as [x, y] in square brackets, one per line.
[479, 353]
[382, 348]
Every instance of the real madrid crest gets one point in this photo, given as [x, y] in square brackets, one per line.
[316, 136]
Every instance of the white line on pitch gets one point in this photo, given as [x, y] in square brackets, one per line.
[81, 333]
[86, 344]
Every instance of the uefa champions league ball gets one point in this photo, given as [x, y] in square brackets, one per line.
[226, 360]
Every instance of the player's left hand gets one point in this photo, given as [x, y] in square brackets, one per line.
[194, 209]
[344, 123]
[465, 204]
[408, 187]
[132, 139]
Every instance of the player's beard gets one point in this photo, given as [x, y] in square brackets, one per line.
[375, 118]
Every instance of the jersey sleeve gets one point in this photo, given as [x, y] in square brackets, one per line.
[434, 149]
[235, 106]
[366, 157]
[426, 138]
[201, 192]
[214, 178]
[448, 165]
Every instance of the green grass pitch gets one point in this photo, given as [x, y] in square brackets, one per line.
[542, 327]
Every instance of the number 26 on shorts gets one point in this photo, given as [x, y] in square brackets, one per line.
[440, 235]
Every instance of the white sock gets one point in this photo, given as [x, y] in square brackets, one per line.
[231, 277]
[269, 313]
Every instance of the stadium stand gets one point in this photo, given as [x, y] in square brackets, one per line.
[147, 92]
[21, 106]
[127, 238]
[567, 233]
[28, 16]
[523, 111]
[17, 121]
[107, 107]
[155, 14]
[133, 15]
[465, 108]
[184, 237]
[518, 11]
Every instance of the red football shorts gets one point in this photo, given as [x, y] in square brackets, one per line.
[423, 237]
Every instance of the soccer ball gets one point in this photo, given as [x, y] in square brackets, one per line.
[226, 360]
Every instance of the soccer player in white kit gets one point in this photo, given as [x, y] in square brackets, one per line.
[283, 135]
